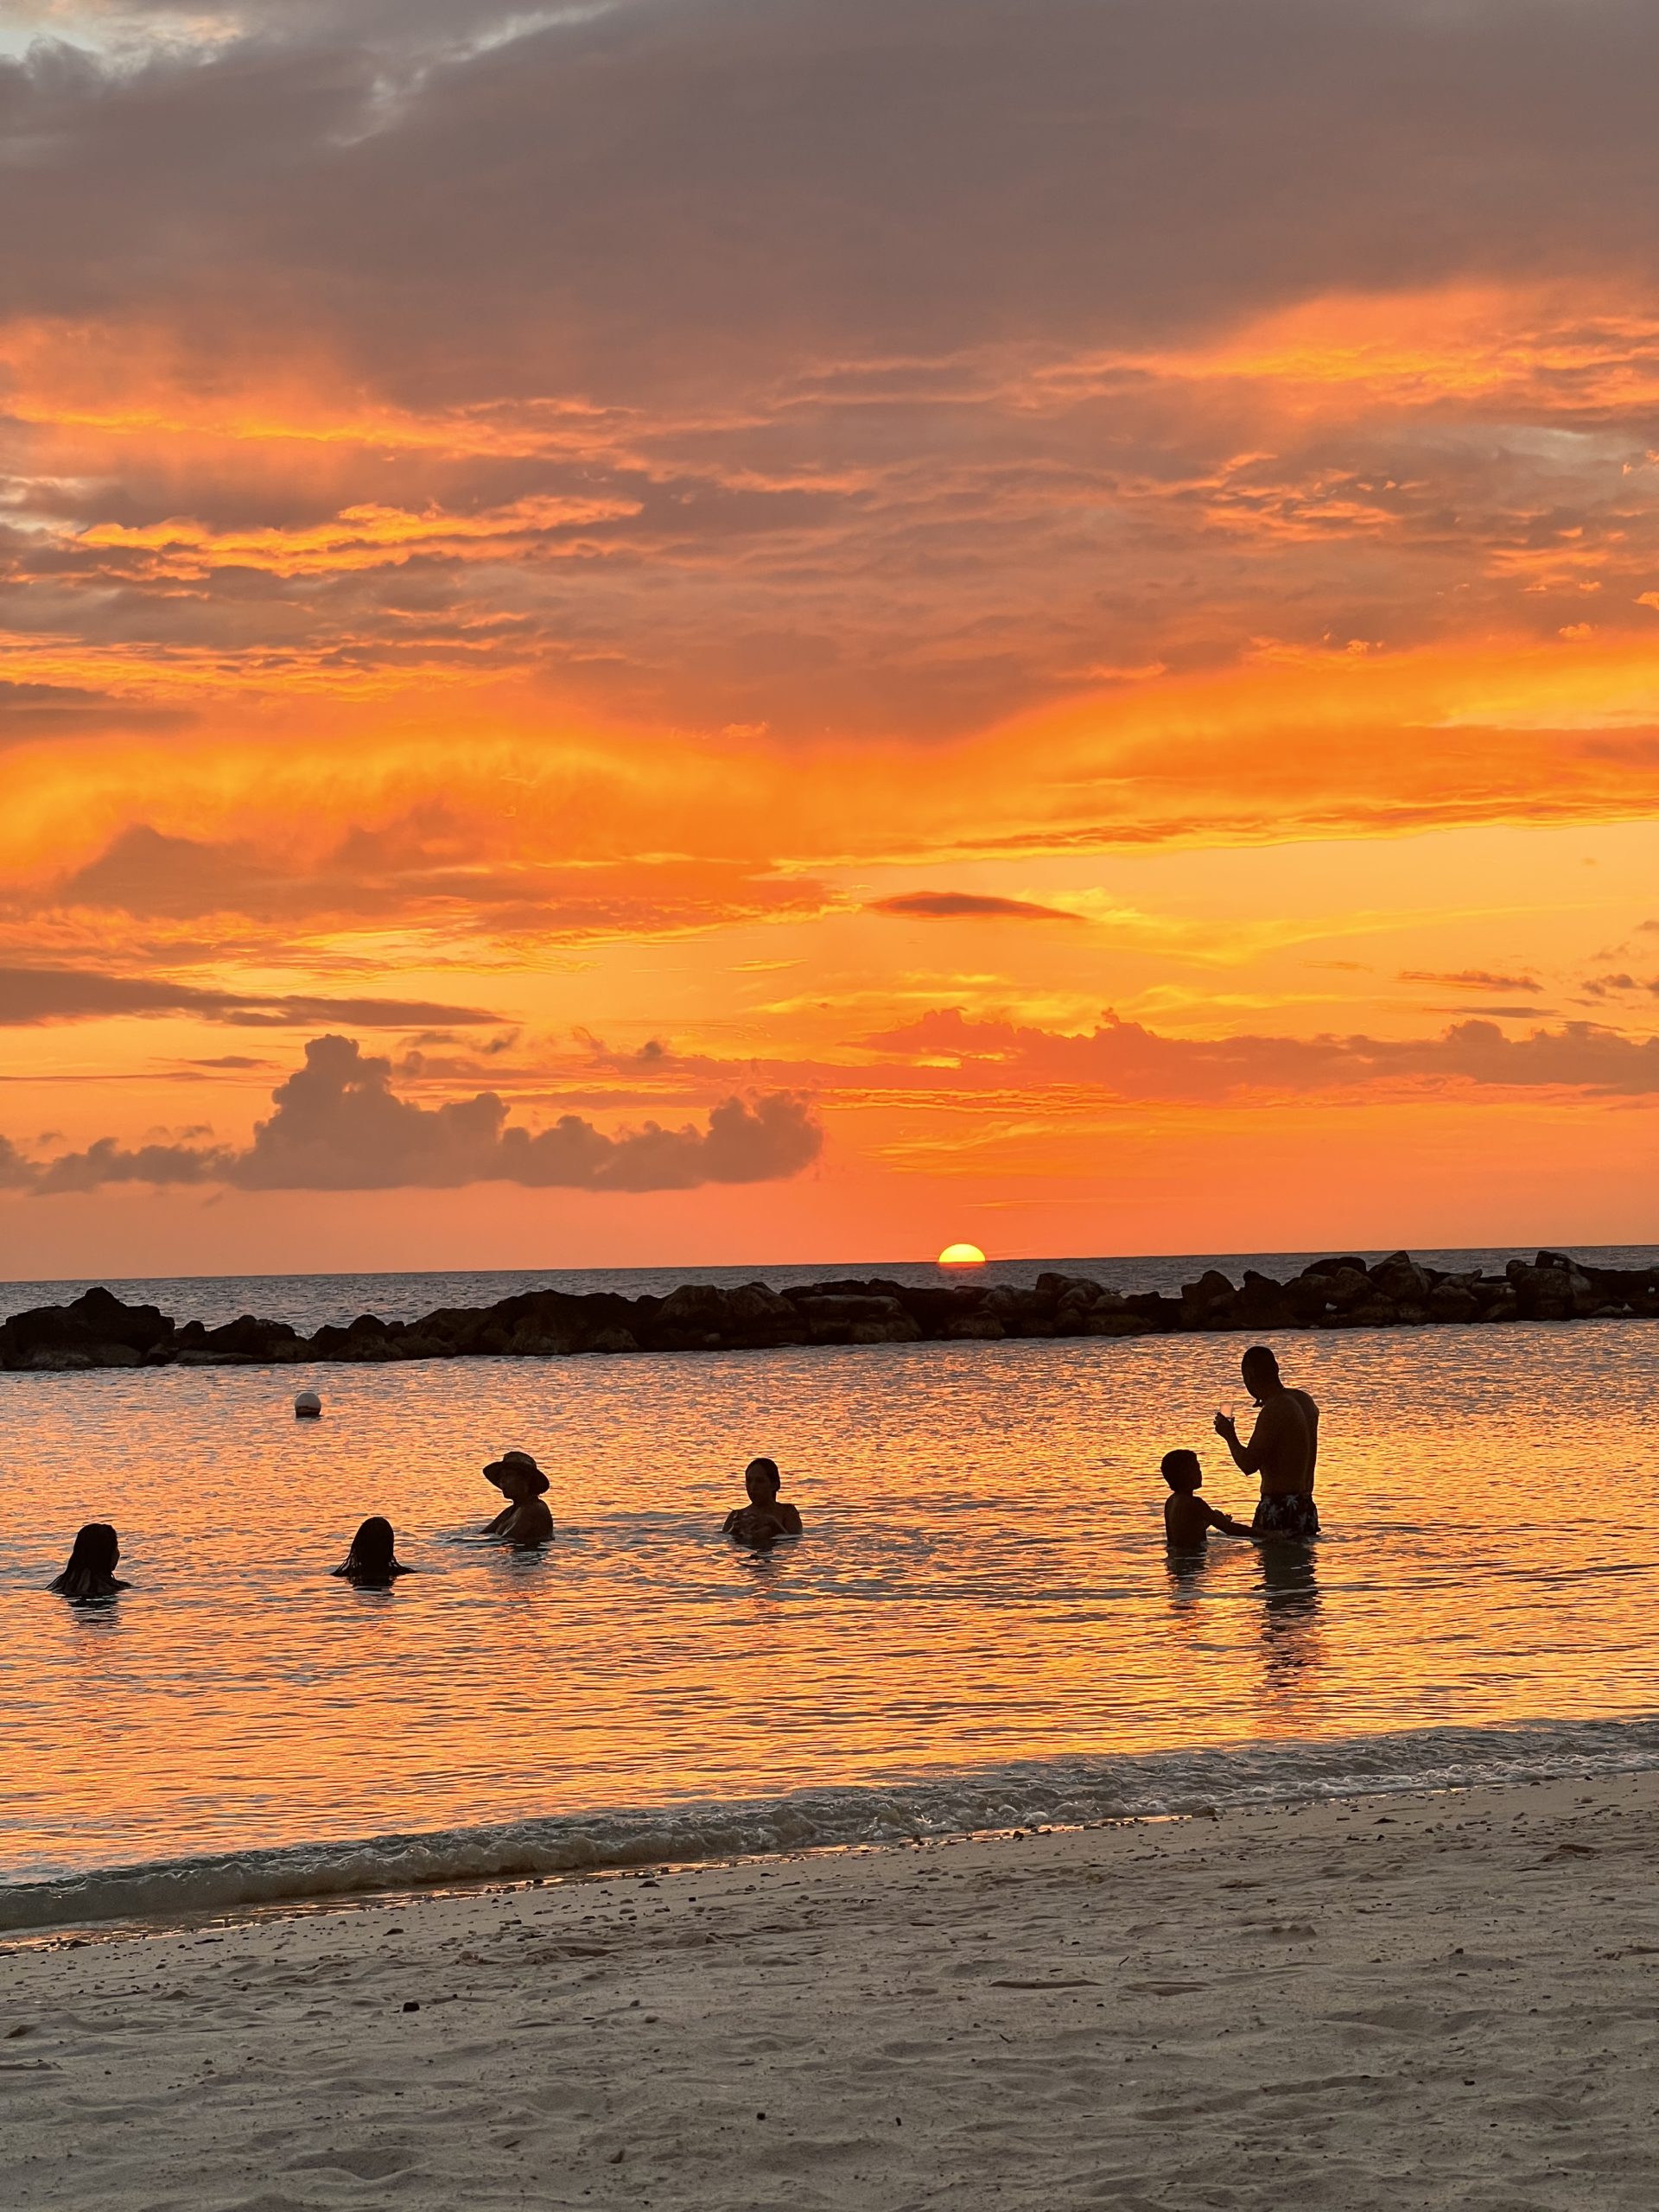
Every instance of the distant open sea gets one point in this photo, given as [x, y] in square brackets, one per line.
[979, 1629]
[307, 1301]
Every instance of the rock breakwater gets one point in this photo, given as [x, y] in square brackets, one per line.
[97, 1330]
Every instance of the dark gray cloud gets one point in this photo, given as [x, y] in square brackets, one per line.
[951, 905]
[1470, 979]
[107, 1163]
[801, 351]
[1127, 1060]
[424, 862]
[649, 186]
[30, 996]
[34, 710]
[337, 1125]
[16, 1172]
[1621, 984]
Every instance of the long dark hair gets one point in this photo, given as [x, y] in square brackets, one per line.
[372, 1558]
[92, 1559]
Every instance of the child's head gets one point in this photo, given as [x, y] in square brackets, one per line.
[1182, 1470]
[96, 1551]
[373, 1557]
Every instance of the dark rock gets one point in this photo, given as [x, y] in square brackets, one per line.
[1551, 1293]
[855, 1317]
[613, 1340]
[532, 1341]
[1264, 1305]
[1400, 1279]
[260, 1340]
[1306, 1299]
[934, 1309]
[698, 1306]
[1349, 1265]
[87, 1328]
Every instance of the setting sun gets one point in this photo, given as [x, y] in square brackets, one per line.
[961, 1255]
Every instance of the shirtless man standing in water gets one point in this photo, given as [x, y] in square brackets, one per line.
[1283, 1449]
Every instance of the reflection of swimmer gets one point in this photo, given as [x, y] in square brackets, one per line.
[1293, 1644]
[525, 1521]
[91, 1570]
[372, 1562]
[1188, 1518]
[766, 1516]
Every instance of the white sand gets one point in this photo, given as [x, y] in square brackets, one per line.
[1424, 2002]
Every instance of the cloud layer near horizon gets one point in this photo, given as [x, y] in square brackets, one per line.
[338, 1125]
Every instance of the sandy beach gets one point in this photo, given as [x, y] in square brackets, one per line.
[1436, 2001]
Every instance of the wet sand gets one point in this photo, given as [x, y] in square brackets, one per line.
[1449, 2001]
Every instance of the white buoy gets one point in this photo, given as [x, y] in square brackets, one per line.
[308, 1406]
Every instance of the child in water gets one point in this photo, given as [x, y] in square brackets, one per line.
[1187, 1517]
[766, 1516]
[372, 1562]
[92, 1561]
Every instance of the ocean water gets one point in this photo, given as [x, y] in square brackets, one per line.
[979, 1628]
[307, 1301]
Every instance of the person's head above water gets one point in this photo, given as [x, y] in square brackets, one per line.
[372, 1559]
[762, 1481]
[1181, 1470]
[515, 1474]
[92, 1561]
[1259, 1368]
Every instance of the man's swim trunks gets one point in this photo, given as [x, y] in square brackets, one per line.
[1296, 1515]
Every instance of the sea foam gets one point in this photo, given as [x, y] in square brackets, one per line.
[1048, 1794]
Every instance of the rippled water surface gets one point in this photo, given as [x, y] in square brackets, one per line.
[983, 1580]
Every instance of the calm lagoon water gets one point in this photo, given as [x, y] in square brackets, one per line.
[980, 1625]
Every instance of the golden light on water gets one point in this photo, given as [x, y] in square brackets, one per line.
[961, 1255]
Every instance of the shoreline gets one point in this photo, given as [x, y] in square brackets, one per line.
[97, 1331]
[1072, 1797]
[1445, 2001]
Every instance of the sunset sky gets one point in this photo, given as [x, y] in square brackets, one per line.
[719, 630]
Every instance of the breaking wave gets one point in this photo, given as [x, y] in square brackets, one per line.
[1037, 1794]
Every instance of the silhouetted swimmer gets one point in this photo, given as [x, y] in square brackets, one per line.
[1187, 1517]
[1283, 1449]
[766, 1516]
[525, 1520]
[93, 1558]
[372, 1562]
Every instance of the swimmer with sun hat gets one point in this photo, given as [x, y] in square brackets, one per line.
[525, 1521]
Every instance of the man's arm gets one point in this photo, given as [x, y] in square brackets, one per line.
[1245, 1456]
